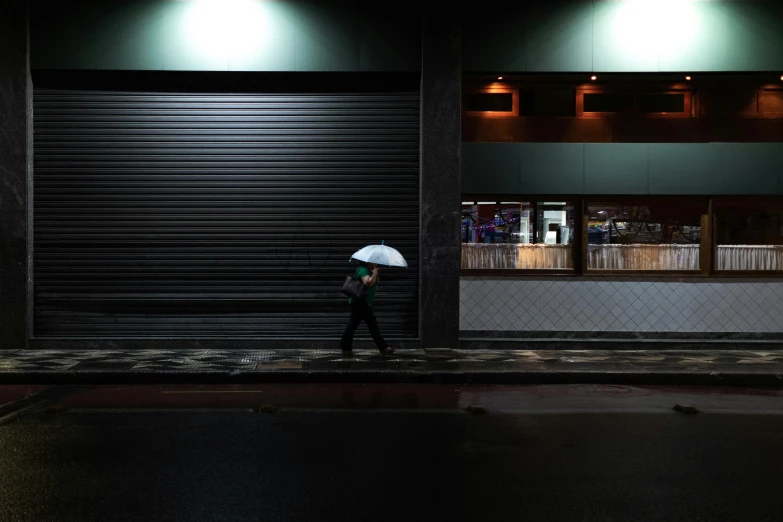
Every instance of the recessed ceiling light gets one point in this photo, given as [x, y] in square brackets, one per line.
[500, 77]
[688, 78]
[594, 78]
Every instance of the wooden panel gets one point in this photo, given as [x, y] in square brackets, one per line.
[662, 103]
[771, 103]
[489, 102]
[606, 102]
[716, 108]
[728, 102]
[493, 89]
[705, 251]
[622, 130]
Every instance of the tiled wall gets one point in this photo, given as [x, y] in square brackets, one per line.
[582, 35]
[710, 169]
[614, 305]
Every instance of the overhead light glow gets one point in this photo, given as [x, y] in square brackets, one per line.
[594, 78]
[237, 29]
[500, 77]
[655, 28]
[688, 78]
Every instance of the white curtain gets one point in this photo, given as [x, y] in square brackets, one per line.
[643, 257]
[489, 255]
[619, 257]
[500, 256]
[750, 257]
[545, 256]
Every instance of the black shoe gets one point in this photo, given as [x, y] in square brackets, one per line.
[347, 353]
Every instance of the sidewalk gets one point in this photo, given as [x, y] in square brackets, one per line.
[713, 367]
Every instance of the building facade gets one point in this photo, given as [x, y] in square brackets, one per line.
[630, 154]
[198, 172]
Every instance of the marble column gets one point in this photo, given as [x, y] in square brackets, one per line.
[15, 142]
[441, 84]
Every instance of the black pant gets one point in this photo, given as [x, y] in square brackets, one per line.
[361, 311]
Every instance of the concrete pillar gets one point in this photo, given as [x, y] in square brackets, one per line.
[15, 157]
[441, 84]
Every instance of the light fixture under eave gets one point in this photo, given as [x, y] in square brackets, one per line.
[643, 30]
[212, 30]
[500, 77]
[594, 78]
[688, 78]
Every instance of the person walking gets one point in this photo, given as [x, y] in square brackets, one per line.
[361, 310]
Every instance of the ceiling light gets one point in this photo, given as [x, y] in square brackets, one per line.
[688, 78]
[500, 77]
[594, 78]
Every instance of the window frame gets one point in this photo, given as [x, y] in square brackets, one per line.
[635, 93]
[714, 271]
[707, 247]
[760, 103]
[576, 253]
[687, 104]
[641, 200]
[702, 109]
[493, 89]
[580, 102]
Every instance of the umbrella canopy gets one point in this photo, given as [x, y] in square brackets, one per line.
[380, 255]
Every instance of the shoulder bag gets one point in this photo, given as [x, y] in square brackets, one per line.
[354, 288]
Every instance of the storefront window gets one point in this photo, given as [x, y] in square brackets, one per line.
[748, 233]
[517, 235]
[645, 235]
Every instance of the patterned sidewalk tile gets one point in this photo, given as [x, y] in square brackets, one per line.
[208, 361]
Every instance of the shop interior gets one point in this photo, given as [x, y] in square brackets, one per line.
[517, 234]
[695, 235]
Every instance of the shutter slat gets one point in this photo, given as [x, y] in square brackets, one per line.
[230, 215]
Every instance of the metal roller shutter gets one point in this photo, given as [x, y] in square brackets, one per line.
[220, 215]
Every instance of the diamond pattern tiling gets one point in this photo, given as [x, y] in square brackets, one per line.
[232, 362]
[606, 304]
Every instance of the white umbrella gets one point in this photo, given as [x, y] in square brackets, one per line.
[380, 255]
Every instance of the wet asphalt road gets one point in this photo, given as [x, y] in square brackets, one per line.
[337, 465]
